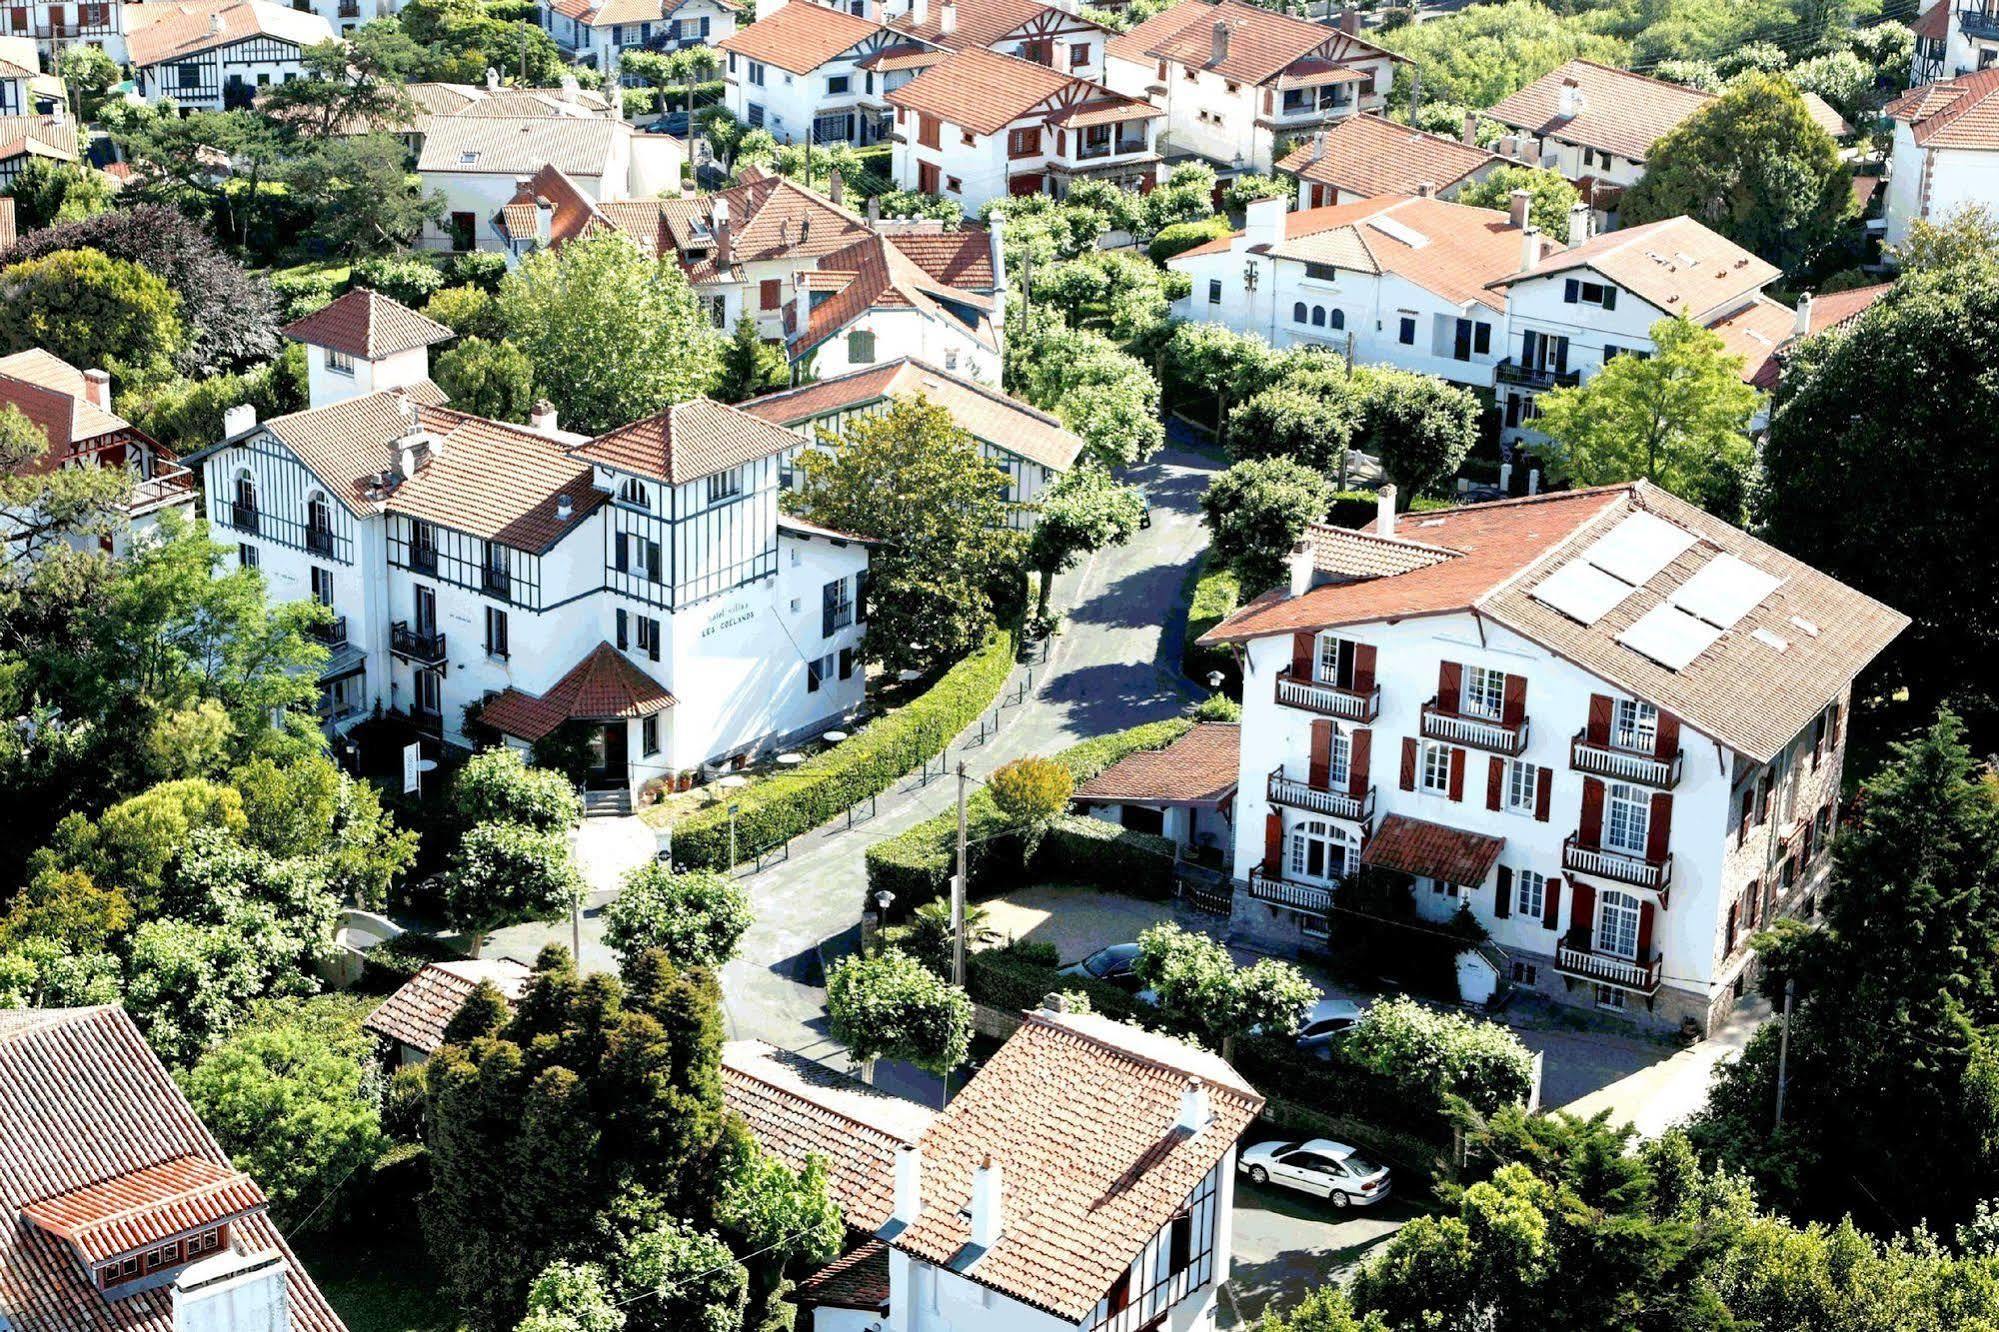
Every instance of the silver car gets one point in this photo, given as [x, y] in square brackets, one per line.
[1327, 1169]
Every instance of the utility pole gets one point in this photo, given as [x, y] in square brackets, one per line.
[1784, 1050]
[958, 891]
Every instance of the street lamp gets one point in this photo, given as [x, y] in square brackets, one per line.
[1215, 681]
[883, 900]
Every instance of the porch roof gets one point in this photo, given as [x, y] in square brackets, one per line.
[604, 686]
[1433, 851]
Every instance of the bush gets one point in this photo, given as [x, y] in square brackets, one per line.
[498, 786]
[1357, 508]
[482, 269]
[1443, 1054]
[1085, 850]
[1216, 596]
[470, 312]
[300, 291]
[408, 280]
[1180, 237]
[1016, 979]
[782, 806]
[390, 964]
[695, 918]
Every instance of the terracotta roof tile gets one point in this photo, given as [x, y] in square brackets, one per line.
[1369, 155]
[857, 1279]
[348, 444]
[604, 686]
[1763, 332]
[1622, 112]
[18, 59]
[89, 1118]
[956, 256]
[1346, 553]
[497, 482]
[1079, 1113]
[1676, 264]
[417, 1013]
[801, 37]
[1262, 43]
[1432, 851]
[687, 441]
[1956, 113]
[872, 273]
[145, 1207]
[1197, 769]
[368, 326]
[54, 395]
[1934, 25]
[984, 91]
[39, 136]
[173, 31]
[984, 22]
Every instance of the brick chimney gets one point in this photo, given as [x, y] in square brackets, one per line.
[722, 251]
[1221, 43]
[1350, 20]
[97, 389]
[1519, 207]
[1469, 133]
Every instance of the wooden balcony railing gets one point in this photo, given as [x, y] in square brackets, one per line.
[243, 517]
[1479, 732]
[419, 646]
[1624, 763]
[1623, 866]
[1587, 964]
[333, 633]
[1329, 700]
[1282, 790]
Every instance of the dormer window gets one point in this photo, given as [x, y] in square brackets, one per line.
[339, 363]
[469, 157]
[133, 1231]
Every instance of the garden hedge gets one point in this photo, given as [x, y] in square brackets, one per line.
[1216, 596]
[786, 804]
[1357, 508]
[1003, 978]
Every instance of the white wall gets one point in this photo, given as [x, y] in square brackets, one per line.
[1958, 178]
[905, 332]
[1906, 166]
[256, 62]
[1205, 115]
[790, 101]
[325, 386]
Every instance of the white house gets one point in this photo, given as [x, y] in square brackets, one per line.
[479, 164]
[1595, 124]
[53, 25]
[1055, 35]
[801, 73]
[1946, 153]
[639, 589]
[213, 55]
[24, 89]
[1955, 38]
[1397, 280]
[1235, 79]
[598, 32]
[1030, 446]
[870, 302]
[24, 138]
[123, 1213]
[1607, 723]
[1367, 155]
[979, 126]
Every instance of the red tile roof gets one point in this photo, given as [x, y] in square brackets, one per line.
[1079, 1113]
[801, 37]
[956, 257]
[417, 1013]
[368, 326]
[1199, 768]
[1262, 43]
[857, 1279]
[873, 274]
[84, 1102]
[1934, 25]
[604, 686]
[1956, 113]
[1432, 850]
[184, 28]
[984, 91]
[145, 1207]
[53, 394]
[498, 482]
[984, 22]
[687, 441]
[1622, 112]
[1369, 155]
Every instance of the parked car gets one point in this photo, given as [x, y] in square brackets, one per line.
[1113, 966]
[1327, 1020]
[673, 122]
[1327, 1169]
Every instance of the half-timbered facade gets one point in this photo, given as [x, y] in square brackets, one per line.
[214, 55]
[599, 33]
[1047, 34]
[804, 74]
[53, 25]
[1606, 723]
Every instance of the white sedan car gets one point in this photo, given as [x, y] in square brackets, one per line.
[1328, 1169]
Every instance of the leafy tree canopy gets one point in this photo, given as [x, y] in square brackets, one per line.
[1256, 511]
[1083, 512]
[94, 312]
[889, 1005]
[1550, 196]
[695, 917]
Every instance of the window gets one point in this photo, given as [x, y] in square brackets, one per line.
[1180, 1242]
[429, 700]
[836, 608]
[861, 347]
[1320, 852]
[649, 736]
[633, 492]
[1470, 338]
[928, 178]
[770, 294]
[1609, 996]
[1214, 291]
[1484, 693]
[1436, 767]
[1335, 662]
[1524, 973]
[624, 634]
[818, 672]
[724, 485]
[1575, 291]
[1023, 142]
[1322, 272]
[246, 555]
[423, 546]
[1530, 894]
[1318, 316]
[649, 636]
[1298, 313]
[496, 632]
[339, 363]
[1339, 755]
[1337, 318]
[1079, 54]
[755, 117]
[1636, 726]
[757, 73]
[838, 84]
[1407, 331]
[1617, 926]
[952, 185]
[319, 523]
[846, 663]
[188, 76]
[1626, 819]
[322, 585]
[1523, 783]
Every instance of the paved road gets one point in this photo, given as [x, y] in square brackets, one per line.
[1288, 1244]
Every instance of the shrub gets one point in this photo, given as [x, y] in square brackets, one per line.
[1442, 1053]
[1094, 851]
[695, 918]
[1216, 596]
[1180, 237]
[300, 291]
[1016, 979]
[482, 269]
[1030, 793]
[890, 1005]
[470, 312]
[782, 806]
[498, 786]
[408, 280]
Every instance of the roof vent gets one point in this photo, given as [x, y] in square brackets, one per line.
[563, 507]
[1805, 627]
[1768, 639]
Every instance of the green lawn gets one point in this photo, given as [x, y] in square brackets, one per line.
[388, 1285]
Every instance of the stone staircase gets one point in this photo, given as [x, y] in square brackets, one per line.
[606, 804]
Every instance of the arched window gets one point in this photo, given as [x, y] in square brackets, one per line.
[1298, 313]
[318, 523]
[634, 492]
[246, 490]
[1318, 316]
[1320, 852]
[1617, 926]
[1339, 317]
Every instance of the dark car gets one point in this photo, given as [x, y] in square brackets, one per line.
[1112, 965]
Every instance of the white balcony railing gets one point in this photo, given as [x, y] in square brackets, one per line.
[1329, 700]
[1268, 887]
[1621, 972]
[1623, 866]
[1282, 790]
[1633, 762]
[1478, 732]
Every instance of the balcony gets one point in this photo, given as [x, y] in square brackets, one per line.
[1624, 762]
[497, 583]
[1282, 790]
[319, 541]
[1621, 866]
[1267, 887]
[1329, 700]
[169, 484]
[333, 633]
[1512, 372]
[1977, 21]
[243, 517]
[423, 559]
[1602, 968]
[1478, 732]
[425, 648]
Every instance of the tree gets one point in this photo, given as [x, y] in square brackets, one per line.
[1968, 233]
[92, 311]
[175, 160]
[490, 379]
[1084, 512]
[1549, 193]
[750, 366]
[1678, 417]
[354, 83]
[470, 312]
[696, 917]
[1256, 511]
[1418, 425]
[460, 41]
[777, 1216]
[134, 844]
[41, 506]
[1099, 391]
[889, 1005]
[703, 1288]
[1031, 793]
[1446, 1054]
[1309, 424]
[500, 786]
[506, 873]
[1218, 362]
[613, 335]
[571, 1297]
[1753, 165]
[1201, 989]
[309, 807]
[88, 73]
[1479, 55]
[912, 478]
[358, 191]
[46, 192]
[1833, 450]
[289, 1099]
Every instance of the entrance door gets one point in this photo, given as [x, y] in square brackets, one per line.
[1145, 819]
[614, 767]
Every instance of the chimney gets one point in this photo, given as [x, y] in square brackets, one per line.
[406, 458]
[97, 389]
[1519, 205]
[801, 304]
[1195, 1111]
[947, 18]
[1318, 145]
[215, 23]
[1508, 146]
[996, 233]
[919, 12]
[1530, 247]
[492, 79]
[986, 1221]
[238, 419]
[836, 189]
[1221, 43]
[541, 416]
[1350, 20]
[1384, 510]
[1578, 224]
[1298, 569]
[564, 508]
[908, 1182]
[874, 212]
[1426, 190]
[723, 253]
[1804, 321]
[568, 88]
[544, 222]
[1571, 103]
[1469, 133]
[1263, 221]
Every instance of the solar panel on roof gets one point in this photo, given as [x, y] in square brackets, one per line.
[1724, 590]
[1669, 636]
[1580, 591]
[1638, 548]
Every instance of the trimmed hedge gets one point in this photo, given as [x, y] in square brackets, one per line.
[1179, 237]
[786, 804]
[1216, 596]
[1079, 849]
[1357, 508]
[1003, 978]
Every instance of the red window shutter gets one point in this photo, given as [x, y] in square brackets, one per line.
[1495, 783]
[1669, 737]
[1408, 765]
[1754, 899]
[1360, 750]
[1644, 933]
[1450, 687]
[1544, 789]
[1734, 911]
[1769, 800]
[1659, 831]
[1590, 833]
[1582, 908]
[1599, 720]
[1363, 668]
[1513, 708]
[1302, 646]
[1273, 842]
[1551, 904]
[1322, 755]
[770, 293]
[1502, 905]
[1457, 774]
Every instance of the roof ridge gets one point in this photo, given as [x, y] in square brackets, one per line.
[1399, 541]
[1588, 525]
[1634, 74]
[987, 391]
[1042, 1017]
